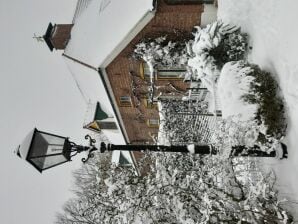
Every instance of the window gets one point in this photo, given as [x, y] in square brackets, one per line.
[150, 105]
[125, 101]
[107, 125]
[170, 73]
[153, 123]
[144, 71]
[163, 73]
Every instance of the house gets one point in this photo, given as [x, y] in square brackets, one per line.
[98, 50]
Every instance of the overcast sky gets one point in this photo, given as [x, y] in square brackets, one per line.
[36, 90]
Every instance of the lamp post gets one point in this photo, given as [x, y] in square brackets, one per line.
[44, 150]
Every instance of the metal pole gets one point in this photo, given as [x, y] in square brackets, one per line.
[197, 149]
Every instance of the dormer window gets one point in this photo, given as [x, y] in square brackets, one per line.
[99, 120]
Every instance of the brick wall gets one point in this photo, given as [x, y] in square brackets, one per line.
[61, 35]
[175, 21]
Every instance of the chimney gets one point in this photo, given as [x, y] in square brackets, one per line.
[57, 36]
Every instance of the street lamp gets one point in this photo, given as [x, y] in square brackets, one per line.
[45, 150]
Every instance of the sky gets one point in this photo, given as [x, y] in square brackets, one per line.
[36, 90]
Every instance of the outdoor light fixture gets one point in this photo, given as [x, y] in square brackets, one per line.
[44, 150]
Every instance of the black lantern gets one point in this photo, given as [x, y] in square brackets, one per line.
[44, 150]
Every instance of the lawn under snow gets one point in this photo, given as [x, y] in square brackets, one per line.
[273, 33]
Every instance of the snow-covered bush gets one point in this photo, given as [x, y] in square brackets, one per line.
[212, 47]
[253, 112]
[264, 92]
[232, 48]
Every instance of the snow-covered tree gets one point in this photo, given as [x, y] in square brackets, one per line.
[162, 52]
[179, 188]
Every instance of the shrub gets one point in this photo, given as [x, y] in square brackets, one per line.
[232, 47]
[265, 93]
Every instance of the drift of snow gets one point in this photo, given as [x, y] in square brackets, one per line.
[271, 28]
[232, 85]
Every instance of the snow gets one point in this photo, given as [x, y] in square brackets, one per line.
[93, 90]
[271, 26]
[23, 148]
[161, 139]
[102, 26]
[232, 85]
[209, 15]
[191, 148]
[90, 85]
[81, 6]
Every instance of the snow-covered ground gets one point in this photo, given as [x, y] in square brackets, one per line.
[273, 33]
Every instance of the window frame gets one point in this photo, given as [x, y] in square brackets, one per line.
[144, 71]
[154, 124]
[125, 102]
[176, 71]
[149, 105]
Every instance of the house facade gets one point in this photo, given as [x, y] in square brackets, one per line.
[98, 51]
[127, 76]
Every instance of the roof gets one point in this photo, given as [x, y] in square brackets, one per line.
[47, 36]
[101, 30]
[99, 113]
[104, 26]
[124, 158]
[93, 90]
[81, 6]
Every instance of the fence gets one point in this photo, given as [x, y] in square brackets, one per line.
[190, 119]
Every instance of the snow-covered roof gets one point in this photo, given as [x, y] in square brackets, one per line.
[93, 90]
[102, 29]
[105, 27]
[81, 6]
[94, 112]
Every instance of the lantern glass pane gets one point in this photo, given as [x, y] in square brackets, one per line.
[46, 162]
[47, 150]
[44, 144]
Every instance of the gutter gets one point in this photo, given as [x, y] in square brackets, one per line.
[119, 120]
[111, 99]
